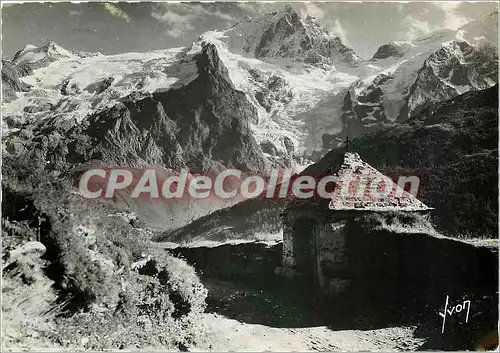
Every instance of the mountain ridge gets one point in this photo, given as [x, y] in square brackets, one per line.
[433, 68]
[299, 102]
[213, 106]
[451, 146]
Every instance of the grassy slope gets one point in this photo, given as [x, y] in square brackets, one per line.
[452, 147]
[255, 219]
[89, 275]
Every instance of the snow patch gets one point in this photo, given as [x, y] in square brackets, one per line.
[82, 77]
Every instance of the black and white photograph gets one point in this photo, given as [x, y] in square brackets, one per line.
[249, 176]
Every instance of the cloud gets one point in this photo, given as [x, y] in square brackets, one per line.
[338, 30]
[431, 16]
[182, 17]
[474, 10]
[115, 11]
[177, 24]
[257, 8]
[416, 27]
[453, 19]
[313, 10]
[222, 16]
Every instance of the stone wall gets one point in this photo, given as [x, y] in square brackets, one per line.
[288, 259]
[332, 257]
[328, 243]
[391, 266]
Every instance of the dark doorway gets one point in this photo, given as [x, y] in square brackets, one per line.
[304, 247]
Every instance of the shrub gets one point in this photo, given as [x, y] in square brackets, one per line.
[105, 303]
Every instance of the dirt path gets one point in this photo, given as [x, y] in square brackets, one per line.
[250, 308]
[232, 335]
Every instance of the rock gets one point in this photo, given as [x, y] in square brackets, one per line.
[24, 262]
[100, 86]
[37, 108]
[11, 82]
[69, 89]
[31, 248]
[145, 266]
[290, 148]
[264, 101]
[269, 148]
[88, 235]
[391, 50]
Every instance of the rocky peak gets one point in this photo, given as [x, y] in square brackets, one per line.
[454, 69]
[278, 32]
[392, 49]
[32, 57]
[285, 35]
[310, 19]
[208, 62]
[24, 62]
[51, 51]
[289, 14]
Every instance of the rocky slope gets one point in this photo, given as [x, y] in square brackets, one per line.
[272, 90]
[201, 125]
[413, 75]
[11, 82]
[79, 276]
[285, 35]
[179, 127]
[309, 91]
[451, 146]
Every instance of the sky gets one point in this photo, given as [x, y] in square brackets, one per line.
[112, 28]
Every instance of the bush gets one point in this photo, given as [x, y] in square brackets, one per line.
[105, 300]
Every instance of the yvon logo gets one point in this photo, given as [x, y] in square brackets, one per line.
[457, 309]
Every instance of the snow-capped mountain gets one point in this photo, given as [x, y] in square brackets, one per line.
[269, 59]
[293, 71]
[93, 114]
[112, 114]
[413, 75]
[290, 87]
[48, 53]
[271, 90]
[284, 35]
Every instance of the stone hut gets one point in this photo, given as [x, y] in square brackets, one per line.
[319, 233]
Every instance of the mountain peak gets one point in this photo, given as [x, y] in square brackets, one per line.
[51, 51]
[289, 9]
[284, 35]
[394, 49]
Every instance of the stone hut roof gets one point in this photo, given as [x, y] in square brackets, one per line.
[360, 187]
